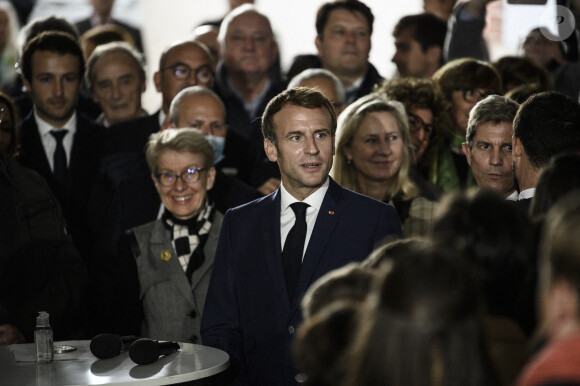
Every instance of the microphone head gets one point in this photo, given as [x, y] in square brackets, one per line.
[144, 351]
[105, 346]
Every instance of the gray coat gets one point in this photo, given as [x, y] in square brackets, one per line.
[172, 307]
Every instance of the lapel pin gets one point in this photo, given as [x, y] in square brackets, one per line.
[331, 212]
[165, 255]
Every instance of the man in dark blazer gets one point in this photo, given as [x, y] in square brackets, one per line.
[545, 125]
[52, 68]
[252, 307]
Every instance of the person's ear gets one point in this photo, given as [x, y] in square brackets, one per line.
[467, 152]
[271, 150]
[210, 178]
[157, 81]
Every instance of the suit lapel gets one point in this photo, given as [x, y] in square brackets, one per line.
[326, 221]
[271, 245]
[33, 155]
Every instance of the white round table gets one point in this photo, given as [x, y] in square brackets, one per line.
[80, 367]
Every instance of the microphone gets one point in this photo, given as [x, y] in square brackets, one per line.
[146, 351]
[105, 346]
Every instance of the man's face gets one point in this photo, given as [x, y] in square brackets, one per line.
[117, 87]
[183, 57]
[202, 112]
[249, 45]
[490, 156]
[54, 86]
[304, 149]
[409, 57]
[345, 43]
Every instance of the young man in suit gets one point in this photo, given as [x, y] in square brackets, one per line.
[56, 141]
[545, 125]
[272, 249]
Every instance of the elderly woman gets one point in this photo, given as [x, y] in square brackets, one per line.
[8, 124]
[174, 255]
[372, 158]
[464, 82]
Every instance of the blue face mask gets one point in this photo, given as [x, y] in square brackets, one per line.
[218, 144]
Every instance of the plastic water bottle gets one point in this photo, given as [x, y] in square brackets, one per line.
[43, 339]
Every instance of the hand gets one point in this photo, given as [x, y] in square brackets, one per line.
[269, 186]
[10, 334]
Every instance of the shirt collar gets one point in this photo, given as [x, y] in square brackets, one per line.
[314, 200]
[45, 128]
[527, 193]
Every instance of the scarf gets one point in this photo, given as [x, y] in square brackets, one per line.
[188, 237]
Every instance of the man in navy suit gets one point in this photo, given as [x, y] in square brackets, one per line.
[56, 141]
[252, 306]
[547, 124]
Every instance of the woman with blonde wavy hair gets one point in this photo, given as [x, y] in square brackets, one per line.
[372, 158]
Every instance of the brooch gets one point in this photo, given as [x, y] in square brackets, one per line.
[331, 212]
[165, 255]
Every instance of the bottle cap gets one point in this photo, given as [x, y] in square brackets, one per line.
[42, 318]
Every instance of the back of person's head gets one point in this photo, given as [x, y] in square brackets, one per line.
[517, 71]
[522, 93]
[559, 251]
[326, 9]
[49, 23]
[561, 176]
[428, 30]
[421, 326]
[103, 34]
[547, 124]
[312, 73]
[389, 253]
[465, 74]
[321, 341]
[52, 41]
[350, 282]
[495, 236]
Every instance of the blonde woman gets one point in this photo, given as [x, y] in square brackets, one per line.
[372, 158]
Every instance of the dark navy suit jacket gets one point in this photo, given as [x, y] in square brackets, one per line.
[247, 311]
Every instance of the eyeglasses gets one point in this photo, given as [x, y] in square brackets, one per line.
[181, 71]
[416, 124]
[189, 176]
[474, 95]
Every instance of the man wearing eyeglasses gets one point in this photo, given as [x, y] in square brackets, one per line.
[181, 65]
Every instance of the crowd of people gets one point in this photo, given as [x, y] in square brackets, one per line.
[325, 226]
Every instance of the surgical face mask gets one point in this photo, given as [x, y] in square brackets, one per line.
[218, 144]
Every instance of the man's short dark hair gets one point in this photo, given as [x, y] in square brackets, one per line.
[428, 30]
[49, 23]
[349, 5]
[548, 124]
[53, 41]
[299, 96]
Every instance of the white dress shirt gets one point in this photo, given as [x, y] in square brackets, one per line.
[48, 141]
[288, 218]
[527, 193]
